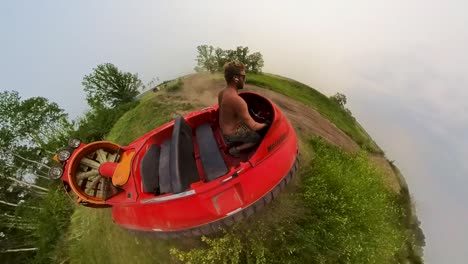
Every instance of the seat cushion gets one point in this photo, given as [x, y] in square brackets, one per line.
[149, 168]
[183, 167]
[210, 154]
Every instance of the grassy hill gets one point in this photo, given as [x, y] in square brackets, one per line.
[339, 209]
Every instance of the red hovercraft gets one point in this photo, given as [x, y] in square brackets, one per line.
[179, 180]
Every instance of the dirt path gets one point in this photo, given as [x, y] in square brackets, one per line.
[202, 91]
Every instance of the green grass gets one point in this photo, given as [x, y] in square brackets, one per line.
[94, 238]
[153, 111]
[312, 98]
[353, 216]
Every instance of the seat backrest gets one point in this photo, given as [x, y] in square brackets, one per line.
[183, 167]
[149, 169]
[210, 154]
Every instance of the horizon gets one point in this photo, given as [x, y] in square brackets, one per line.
[401, 65]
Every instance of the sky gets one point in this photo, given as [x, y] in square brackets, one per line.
[402, 65]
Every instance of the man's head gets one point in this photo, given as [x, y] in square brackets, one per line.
[234, 74]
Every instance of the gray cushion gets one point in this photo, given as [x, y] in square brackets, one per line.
[182, 165]
[149, 169]
[210, 154]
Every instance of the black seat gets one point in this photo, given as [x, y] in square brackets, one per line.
[164, 173]
[182, 164]
[210, 154]
[149, 168]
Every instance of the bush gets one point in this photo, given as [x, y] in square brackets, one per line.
[222, 250]
[339, 98]
[262, 243]
[175, 86]
[97, 123]
[49, 222]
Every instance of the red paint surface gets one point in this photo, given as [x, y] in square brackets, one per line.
[107, 169]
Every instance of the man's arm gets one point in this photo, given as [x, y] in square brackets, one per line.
[243, 112]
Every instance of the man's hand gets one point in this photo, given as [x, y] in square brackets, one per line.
[261, 126]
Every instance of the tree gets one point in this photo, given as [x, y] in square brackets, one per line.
[241, 54]
[231, 55]
[28, 128]
[107, 86]
[220, 56]
[255, 62]
[206, 59]
[212, 60]
[339, 98]
[96, 123]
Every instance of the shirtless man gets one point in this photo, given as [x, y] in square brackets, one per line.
[234, 119]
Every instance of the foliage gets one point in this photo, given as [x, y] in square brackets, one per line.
[265, 237]
[49, 222]
[30, 131]
[226, 249]
[206, 59]
[108, 87]
[38, 223]
[339, 98]
[35, 122]
[346, 216]
[213, 59]
[220, 57]
[95, 124]
[353, 217]
[153, 111]
[41, 220]
[254, 62]
[416, 238]
[176, 85]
